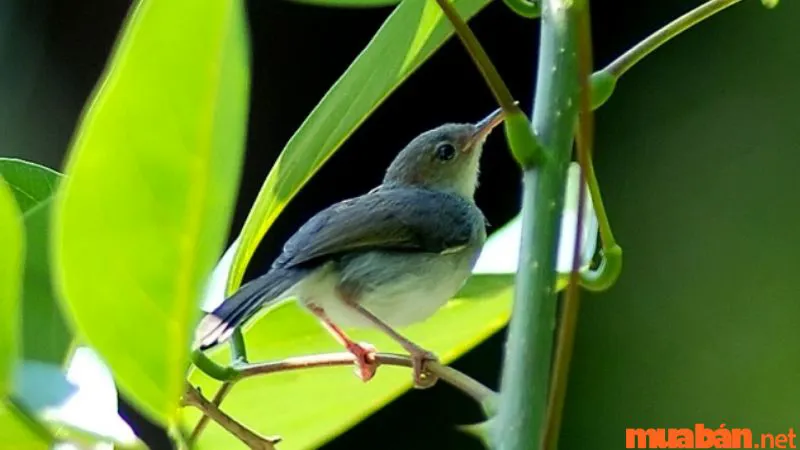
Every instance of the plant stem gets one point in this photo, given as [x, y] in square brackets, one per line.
[480, 393]
[610, 268]
[525, 8]
[216, 401]
[527, 365]
[621, 65]
[479, 56]
[238, 347]
[584, 139]
[192, 397]
[460, 381]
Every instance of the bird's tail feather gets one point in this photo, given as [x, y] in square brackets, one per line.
[217, 326]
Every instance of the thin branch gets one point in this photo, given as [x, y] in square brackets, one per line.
[193, 397]
[460, 381]
[621, 65]
[223, 391]
[480, 393]
[479, 56]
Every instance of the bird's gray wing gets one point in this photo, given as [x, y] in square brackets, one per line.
[400, 219]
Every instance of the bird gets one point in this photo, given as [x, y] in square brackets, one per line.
[383, 260]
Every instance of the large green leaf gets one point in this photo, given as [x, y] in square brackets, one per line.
[411, 34]
[15, 430]
[150, 188]
[45, 334]
[18, 431]
[12, 243]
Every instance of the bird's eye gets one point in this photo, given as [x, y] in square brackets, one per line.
[445, 151]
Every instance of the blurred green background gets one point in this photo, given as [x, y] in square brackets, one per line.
[697, 153]
[697, 156]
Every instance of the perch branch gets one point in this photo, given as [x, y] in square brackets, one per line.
[223, 391]
[480, 393]
[193, 397]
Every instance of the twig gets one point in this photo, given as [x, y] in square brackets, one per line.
[621, 65]
[460, 381]
[479, 56]
[469, 386]
[216, 401]
[193, 397]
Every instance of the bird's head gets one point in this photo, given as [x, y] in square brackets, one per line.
[444, 158]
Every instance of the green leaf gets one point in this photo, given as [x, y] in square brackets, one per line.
[31, 183]
[20, 432]
[150, 187]
[350, 3]
[411, 34]
[11, 262]
[45, 334]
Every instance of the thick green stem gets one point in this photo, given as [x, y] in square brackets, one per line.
[527, 365]
[621, 65]
[584, 140]
[238, 347]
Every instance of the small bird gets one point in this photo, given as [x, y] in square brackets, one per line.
[385, 259]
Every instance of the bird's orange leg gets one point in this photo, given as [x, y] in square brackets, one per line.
[419, 356]
[364, 352]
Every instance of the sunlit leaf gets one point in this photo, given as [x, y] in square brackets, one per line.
[31, 183]
[349, 3]
[19, 432]
[411, 34]
[45, 334]
[150, 188]
[12, 243]
[307, 408]
[15, 430]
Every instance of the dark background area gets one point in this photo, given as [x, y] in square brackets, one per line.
[696, 153]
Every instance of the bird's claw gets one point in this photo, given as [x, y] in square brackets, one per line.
[365, 359]
[423, 379]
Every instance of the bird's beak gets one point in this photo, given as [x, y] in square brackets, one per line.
[485, 126]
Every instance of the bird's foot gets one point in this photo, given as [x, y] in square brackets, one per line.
[365, 359]
[423, 379]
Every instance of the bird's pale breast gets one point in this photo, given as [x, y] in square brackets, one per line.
[399, 288]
